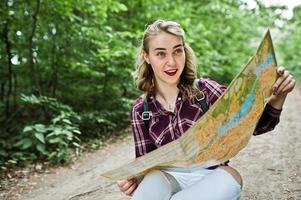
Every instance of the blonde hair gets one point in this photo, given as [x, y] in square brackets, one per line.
[144, 74]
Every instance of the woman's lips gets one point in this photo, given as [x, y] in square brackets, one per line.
[171, 72]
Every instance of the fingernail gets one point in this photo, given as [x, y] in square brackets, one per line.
[274, 89]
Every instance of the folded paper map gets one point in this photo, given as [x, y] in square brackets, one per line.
[223, 130]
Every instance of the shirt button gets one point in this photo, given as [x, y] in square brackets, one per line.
[179, 98]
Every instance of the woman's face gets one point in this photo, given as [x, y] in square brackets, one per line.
[167, 58]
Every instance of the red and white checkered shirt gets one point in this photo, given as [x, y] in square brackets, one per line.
[165, 126]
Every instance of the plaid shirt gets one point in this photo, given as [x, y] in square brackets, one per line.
[165, 126]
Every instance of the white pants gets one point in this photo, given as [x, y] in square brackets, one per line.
[188, 184]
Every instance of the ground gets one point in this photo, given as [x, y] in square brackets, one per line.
[270, 166]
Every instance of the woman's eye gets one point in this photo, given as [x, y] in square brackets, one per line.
[178, 51]
[161, 54]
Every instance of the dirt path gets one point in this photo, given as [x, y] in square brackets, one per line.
[270, 166]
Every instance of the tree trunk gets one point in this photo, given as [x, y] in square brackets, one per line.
[54, 63]
[15, 92]
[34, 76]
[9, 67]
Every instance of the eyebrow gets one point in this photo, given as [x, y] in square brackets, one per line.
[165, 49]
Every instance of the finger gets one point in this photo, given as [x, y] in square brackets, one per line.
[280, 80]
[284, 84]
[121, 182]
[289, 87]
[123, 185]
[127, 185]
[130, 190]
[280, 70]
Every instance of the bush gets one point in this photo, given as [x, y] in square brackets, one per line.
[50, 142]
[43, 139]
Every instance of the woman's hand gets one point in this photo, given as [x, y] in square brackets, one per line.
[284, 84]
[127, 186]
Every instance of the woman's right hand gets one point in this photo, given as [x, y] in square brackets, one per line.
[127, 186]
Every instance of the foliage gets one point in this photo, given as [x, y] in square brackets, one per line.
[290, 44]
[49, 141]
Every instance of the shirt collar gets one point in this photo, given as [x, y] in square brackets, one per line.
[159, 108]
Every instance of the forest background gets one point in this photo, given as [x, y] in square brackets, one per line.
[66, 66]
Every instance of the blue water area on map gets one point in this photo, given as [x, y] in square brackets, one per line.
[247, 104]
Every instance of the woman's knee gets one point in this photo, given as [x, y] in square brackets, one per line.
[154, 185]
[155, 177]
[218, 184]
[234, 173]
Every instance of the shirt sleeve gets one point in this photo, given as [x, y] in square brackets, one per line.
[268, 120]
[212, 89]
[143, 143]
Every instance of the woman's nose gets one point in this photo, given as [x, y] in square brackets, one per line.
[170, 60]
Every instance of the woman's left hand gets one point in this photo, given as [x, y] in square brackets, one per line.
[284, 84]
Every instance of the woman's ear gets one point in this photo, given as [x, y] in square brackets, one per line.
[145, 56]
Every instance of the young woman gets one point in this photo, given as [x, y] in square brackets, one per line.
[166, 73]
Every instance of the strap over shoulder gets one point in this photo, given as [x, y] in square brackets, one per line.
[200, 97]
[146, 114]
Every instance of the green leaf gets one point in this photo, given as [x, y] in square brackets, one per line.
[76, 131]
[3, 153]
[122, 7]
[41, 148]
[67, 121]
[12, 161]
[58, 131]
[27, 128]
[55, 140]
[40, 137]
[55, 120]
[76, 144]
[68, 133]
[24, 143]
[40, 128]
